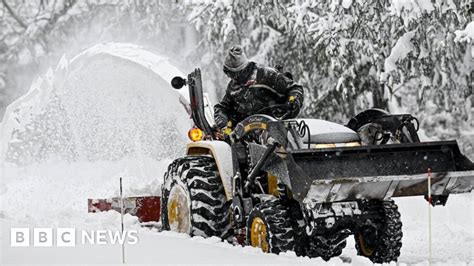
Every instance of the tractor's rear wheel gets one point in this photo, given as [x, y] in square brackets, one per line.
[381, 243]
[269, 227]
[193, 198]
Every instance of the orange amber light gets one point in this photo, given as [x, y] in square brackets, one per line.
[195, 134]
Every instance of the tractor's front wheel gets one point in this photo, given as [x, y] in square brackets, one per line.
[193, 198]
[381, 241]
[269, 227]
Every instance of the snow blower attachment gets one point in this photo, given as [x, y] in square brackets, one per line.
[146, 208]
[306, 185]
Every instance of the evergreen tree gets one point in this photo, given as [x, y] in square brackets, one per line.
[401, 56]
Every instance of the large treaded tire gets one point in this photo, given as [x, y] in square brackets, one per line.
[299, 228]
[199, 178]
[389, 236]
[327, 247]
[275, 215]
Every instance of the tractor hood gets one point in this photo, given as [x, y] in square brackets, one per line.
[324, 132]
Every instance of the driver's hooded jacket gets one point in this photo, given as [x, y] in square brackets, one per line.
[263, 88]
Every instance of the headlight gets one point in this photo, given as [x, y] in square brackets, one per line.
[325, 146]
[352, 144]
[195, 134]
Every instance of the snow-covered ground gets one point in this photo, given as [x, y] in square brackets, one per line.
[52, 192]
[54, 195]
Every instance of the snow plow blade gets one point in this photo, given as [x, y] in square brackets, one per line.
[381, 172]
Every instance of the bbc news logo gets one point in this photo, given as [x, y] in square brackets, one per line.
[69, 237]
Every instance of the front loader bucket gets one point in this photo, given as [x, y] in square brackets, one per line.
[379, 172]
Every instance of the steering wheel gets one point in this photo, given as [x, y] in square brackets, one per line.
[251, 124]
[272, 109]
[258, 122]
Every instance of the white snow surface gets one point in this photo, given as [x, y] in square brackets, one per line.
[54, 195]
[346, 3]
[53, 192]
[413, 9]
[399, 51]
[466, 35]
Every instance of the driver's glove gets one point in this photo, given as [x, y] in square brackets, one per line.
[222, 132]
[228, 129]
[294, 104]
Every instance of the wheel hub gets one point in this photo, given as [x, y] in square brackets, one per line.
[258, 234]
[364, 246]
[179, 214]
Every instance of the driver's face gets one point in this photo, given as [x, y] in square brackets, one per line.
[231, 74]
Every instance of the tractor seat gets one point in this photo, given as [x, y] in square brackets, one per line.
[325, 132]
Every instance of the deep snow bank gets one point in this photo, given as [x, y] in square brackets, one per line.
[107, 113]
[110, 102]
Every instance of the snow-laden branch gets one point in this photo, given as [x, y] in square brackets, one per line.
[14, 15]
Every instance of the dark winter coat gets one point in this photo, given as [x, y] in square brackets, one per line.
[262, 88]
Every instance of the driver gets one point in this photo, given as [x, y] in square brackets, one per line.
[255, 89]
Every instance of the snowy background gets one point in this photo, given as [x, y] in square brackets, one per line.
[411, 56]
[85, 99]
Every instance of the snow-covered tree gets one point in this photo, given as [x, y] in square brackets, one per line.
[406, 56]
[352, 55]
